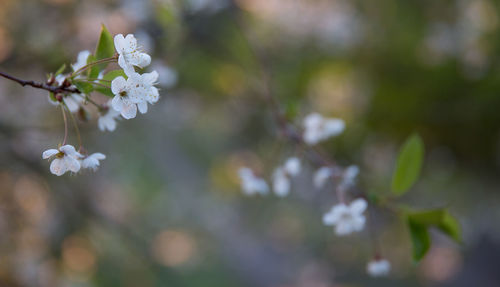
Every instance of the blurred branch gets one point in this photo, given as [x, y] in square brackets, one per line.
[63, 88]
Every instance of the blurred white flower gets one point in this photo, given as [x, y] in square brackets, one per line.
[317, 128]
[347, 218]
[66, 159]
[167, 75]
[92, 161]
[107, 121]
[130, 54]
[282, 175]
[378, 267]
[349, 177]
[250, 183]
[81, 60]
[321, 176]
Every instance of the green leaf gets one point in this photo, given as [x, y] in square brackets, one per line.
[105, 49]
[105, 46]
[408, 165]
[428, 217]
[60, 70]
[420, 239]
[110, 76]
[439, 218]
[94, 70]
[451, 227]
[84, 87]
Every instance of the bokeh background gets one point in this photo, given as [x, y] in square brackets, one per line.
[165, 208]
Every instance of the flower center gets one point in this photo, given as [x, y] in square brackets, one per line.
[60, 154]
[123, 93]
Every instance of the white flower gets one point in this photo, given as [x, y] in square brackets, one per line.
[378, 267]
[126, 98]
[349, 177]
[81, 60]
[317, 128]
[282, 175]
[250, 183]
[347, 218]
[66, 159]
[321, 176]
[130, 54]
[281, 182]
[135, 92]
[108, 120]
[168, 76]
[92, 161]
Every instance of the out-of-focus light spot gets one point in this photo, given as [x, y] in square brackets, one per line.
[224, 173]
[31, 196]
[229, 79]
[441, 264]
[78, 255]
[336, 91]
[173, 247]
[5, 44]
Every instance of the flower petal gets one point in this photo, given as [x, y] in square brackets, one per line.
[118, 85]
[129, 111]
[72, 163]
[358, 206]
[143, 107]
[58, 167]
[119, 43]
[50, 152]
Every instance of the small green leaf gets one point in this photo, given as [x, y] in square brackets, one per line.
[451, 227]
[94, 70]
[439, 218]
[84, 87]
[105, 49]
[60, 70]
[408, 165]
[428, 217]
[105, 46]
[420, 239]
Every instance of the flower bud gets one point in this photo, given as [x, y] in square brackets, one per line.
[59, 97]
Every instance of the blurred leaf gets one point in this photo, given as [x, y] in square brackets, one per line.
[60, 70]
[84, 87]
[408, 164]
[94, 71]
[428, 217]
[439, 218]
[450, 226]
[420, 239]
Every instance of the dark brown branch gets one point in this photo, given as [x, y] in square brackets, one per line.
[43, 86]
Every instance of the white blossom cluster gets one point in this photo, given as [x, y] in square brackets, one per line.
[66, 158]
[346, 218]
[132, 93]
[137, 90]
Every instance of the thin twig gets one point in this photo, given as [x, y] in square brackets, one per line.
[43, 86]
